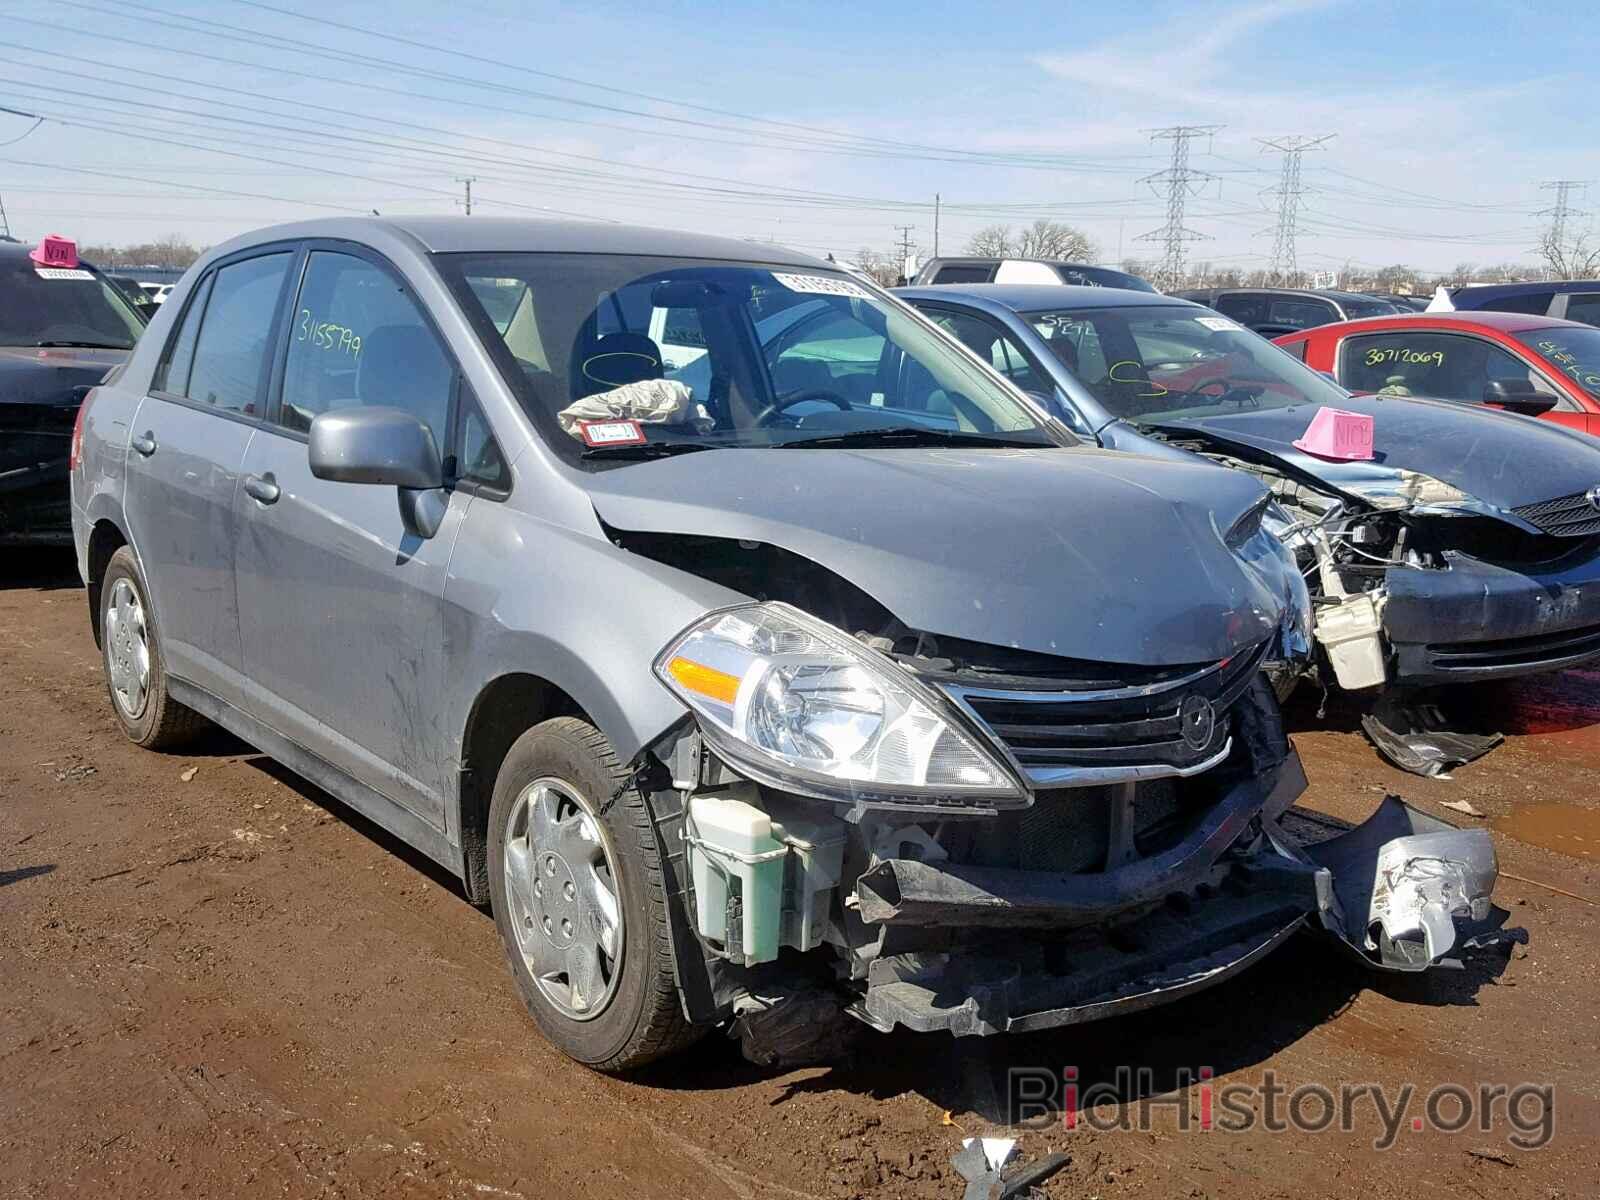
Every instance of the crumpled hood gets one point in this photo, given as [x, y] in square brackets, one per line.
[1501, 459]
[1081, 553]
[51, 374]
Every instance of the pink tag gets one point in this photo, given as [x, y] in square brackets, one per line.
[1335, 433]
[55, 251]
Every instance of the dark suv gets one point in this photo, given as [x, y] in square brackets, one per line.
[1565, 299]
[1273, 312]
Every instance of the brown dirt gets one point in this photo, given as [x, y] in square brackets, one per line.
[225, 984]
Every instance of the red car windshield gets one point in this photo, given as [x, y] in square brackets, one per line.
[1164, 362]
[1574, 353]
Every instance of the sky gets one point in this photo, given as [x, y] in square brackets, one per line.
[824, 126]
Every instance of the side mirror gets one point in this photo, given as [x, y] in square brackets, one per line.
[1518, 396]
[386, 446]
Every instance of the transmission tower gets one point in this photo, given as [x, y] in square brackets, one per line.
[1561, 212]
[1289, 190]
[1179, 181]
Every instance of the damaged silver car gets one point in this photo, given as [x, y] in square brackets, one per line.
[755, 669]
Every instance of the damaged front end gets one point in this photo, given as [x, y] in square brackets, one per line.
[1418, 584]
[1028, 842]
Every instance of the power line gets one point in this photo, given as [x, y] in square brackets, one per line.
[1180, 181]
[1288, 192]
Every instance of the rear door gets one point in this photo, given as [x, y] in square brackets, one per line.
[340, 605]
[187, 441]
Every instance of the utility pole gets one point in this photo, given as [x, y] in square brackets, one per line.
[936, 224]
[467, 181]
[1179, 181]
[1285, 266]
[1561, 212]
[5, 221]
[905, 248]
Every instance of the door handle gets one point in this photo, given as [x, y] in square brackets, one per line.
[262, 487]
[144, 443]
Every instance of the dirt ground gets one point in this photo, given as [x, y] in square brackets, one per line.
[216, 981]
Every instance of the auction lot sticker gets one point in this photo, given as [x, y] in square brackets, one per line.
[62, 273]
[611, 433]
[822, 285]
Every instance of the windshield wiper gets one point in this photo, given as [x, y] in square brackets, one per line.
[85, 345]
[912, 435]
[644, 450]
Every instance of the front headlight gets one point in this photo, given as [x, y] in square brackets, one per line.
[797, 703]
[1265, 552]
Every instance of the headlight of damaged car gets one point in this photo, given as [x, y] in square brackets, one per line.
[1258, 540]
[800, 704]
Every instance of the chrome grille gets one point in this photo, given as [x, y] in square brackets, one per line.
[1072, 738]
[1565, 516]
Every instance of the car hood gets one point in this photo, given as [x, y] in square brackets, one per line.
[1080, 553]
[51, 375]
[1500, 459]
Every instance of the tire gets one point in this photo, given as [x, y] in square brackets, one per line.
[128, 640]
[625, 1013]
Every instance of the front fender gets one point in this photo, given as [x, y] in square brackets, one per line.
[526, 596]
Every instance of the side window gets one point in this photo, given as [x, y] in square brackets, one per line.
[173, 374]
[1300, 314]
[358, 338]
[1243, 307]
[994, 347]
[230, 353]
[1534, 303]
[1297, 349]
[1444, 366]
[834, 352]
[1585, 307]
[477, 454]
[964, 273]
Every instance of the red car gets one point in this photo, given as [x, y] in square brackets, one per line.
[1529, 364]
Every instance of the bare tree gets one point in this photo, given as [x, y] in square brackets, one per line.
[170, 251]
[883, 268]
[1052, 239]
[992, 241]
[1574, 257]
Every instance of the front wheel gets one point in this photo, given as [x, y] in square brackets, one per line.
[575, 884]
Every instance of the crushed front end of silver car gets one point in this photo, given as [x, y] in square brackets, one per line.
[1108, 838]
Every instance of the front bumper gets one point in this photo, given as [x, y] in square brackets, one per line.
[1480, 621]
[35, 507]
[1018, 951]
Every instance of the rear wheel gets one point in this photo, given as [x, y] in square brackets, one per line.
[136, 674]
[575, 884]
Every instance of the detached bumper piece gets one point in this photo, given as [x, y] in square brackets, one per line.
[1407, 888]
[1401, 891]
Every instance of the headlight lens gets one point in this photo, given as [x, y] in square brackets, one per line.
[1265, 553]
[788, 696]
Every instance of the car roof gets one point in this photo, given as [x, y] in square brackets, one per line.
[1035, 297]
[463, 234]
[1500, 291]
[1501, 322]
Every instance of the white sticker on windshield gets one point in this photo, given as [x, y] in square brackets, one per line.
[62, 273]
[1218, 323]
[822, 285]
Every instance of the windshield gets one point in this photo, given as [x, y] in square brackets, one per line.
[1355, 309]
[1101, 277]
[1574, 353]
[1157, 363]
[626, 356]
[53, 306]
